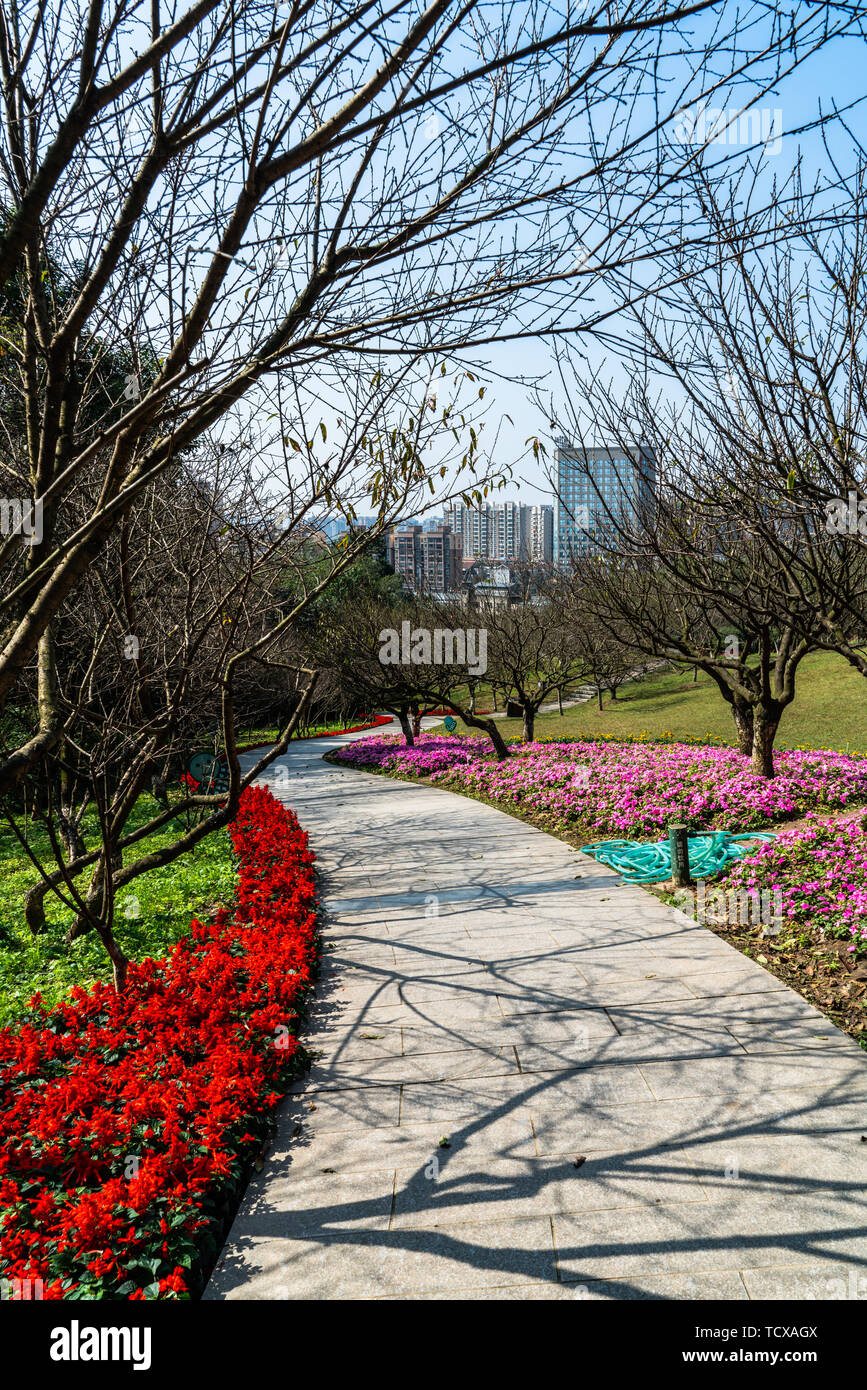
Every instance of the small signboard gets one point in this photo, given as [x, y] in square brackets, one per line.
[211, 773]
[451, 724]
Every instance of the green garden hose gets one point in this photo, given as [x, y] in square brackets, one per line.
[651, 863]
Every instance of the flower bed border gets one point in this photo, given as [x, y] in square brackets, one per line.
[181, 1073]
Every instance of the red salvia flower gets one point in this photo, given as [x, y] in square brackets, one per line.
[133, 1112]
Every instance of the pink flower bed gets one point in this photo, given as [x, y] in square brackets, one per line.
[820, 870]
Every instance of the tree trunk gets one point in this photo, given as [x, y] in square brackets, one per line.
[119, 961]
[34, 909]
[406, 727]
[766, 723]
[599, 697]
[497, 740]
[529, 723]
[743, 716]
[489, 726]
[75, 846]
[560, 701]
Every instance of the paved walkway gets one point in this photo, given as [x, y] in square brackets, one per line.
[536, 1082]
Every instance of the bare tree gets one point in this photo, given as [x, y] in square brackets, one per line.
[531, 653]
[765, 355]
[689, 583]
[250, 204]
[406, 658]
[605, 661]
[745, 380]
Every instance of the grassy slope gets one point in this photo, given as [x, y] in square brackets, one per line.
[829, 710]
[167, 899]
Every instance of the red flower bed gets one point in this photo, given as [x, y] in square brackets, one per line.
[129, 1121]
[355, 728]
[445, 711]
[373, 723]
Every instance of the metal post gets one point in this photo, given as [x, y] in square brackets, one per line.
[678, 845]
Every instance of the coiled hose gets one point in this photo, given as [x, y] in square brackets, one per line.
[651, 863]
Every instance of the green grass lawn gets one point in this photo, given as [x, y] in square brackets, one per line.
[829, 710]
[167, 899]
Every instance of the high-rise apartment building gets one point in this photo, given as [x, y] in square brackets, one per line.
[537, 532]
[473, 525]
[441, 561]
[506, 538]
[427, 561]
[596, 488]
[506, 531]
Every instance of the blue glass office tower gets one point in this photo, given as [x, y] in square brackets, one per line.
[594, 486]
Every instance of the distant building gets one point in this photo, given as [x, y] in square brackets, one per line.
[472, 524]
[537, 532]
[335, 527]
[427, 561]
[441, 560]
[505, 531]
[506, 534]
[403, 551]
[595, 486]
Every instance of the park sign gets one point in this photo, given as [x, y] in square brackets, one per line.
[210, 770]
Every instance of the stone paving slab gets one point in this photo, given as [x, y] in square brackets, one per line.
[745, 1232]
[797, 1116]
[504, 1188]
[376, 1264]
[725, 1284]
[811, 1281]
[533, 1081]
[421, 1067]
[313, 1151]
